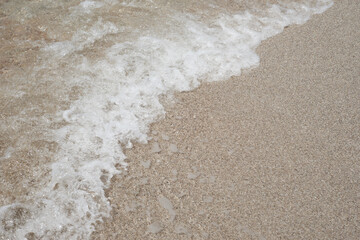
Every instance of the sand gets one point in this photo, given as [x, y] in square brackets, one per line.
[272, 154]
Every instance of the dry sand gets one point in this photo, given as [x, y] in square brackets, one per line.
[273, 154]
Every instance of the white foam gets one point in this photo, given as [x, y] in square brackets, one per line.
[88, 5]
[122, 100]
[82, 38]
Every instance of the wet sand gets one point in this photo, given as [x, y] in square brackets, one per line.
[273, 154]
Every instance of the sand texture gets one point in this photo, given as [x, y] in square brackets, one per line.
[273, 154]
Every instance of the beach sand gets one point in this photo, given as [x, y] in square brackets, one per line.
[272, 154]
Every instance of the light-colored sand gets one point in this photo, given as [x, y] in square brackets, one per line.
[273, 154]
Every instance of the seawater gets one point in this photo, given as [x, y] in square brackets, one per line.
[82, 80]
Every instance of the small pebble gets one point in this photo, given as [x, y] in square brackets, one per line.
[146, 164]
[181, 229]
[208, 199]
[173, 148]
[155, 148]
[165, 137]
[165, 203]
[144, 181]
[193, 175]
[132, 207]
[155, 228]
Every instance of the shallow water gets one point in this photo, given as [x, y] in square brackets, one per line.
[82, 80]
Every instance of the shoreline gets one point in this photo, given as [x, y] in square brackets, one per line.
[270, 154]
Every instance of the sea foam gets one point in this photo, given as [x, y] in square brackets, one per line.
[121, 94]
